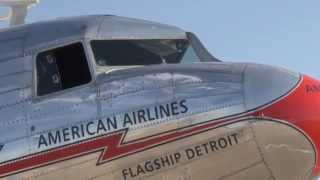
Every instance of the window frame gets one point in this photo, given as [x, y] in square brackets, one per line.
[37, 97]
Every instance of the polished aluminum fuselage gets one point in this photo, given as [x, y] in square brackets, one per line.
[143, 104]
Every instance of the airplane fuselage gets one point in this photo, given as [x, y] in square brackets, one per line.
[66, 113]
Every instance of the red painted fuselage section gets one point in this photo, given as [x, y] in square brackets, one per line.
[301, 109]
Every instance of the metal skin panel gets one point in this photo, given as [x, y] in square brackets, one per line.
[263, 79]
[11, 45]
[15, 94]
[15, 82]
[15, 117]
[14, 132]
[15, 66]
[57, 112]
[15, 97]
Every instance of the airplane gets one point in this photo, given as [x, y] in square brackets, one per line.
[116, 98]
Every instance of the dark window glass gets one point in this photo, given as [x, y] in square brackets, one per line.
[142, 52]
[62, 68]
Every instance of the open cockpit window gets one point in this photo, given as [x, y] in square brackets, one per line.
[142, 52]
[62, 68]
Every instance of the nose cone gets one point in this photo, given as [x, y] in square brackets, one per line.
[266, 84]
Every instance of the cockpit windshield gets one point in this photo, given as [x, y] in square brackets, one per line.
[143, 52]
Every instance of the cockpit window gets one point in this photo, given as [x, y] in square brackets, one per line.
[142, 52]
[62, 68]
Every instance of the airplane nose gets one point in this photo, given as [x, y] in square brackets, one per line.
[264, 84]
[267, 89]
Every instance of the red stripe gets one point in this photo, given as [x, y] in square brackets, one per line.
[110, 145]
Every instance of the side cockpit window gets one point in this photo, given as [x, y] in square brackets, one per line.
[62, 68]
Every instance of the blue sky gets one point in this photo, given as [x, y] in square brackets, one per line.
[284, 33]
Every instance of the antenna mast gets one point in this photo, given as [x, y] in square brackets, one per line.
[18, 10]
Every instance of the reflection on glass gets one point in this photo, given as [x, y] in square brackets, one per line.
[142, 52]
